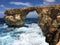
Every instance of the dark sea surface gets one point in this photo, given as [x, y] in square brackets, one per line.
[31, 35]
[2, 21]
[27, 20]
[31, 20]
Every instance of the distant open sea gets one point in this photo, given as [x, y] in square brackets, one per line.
[27, 20]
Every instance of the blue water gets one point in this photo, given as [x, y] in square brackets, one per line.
[31, 20]
[2, 21]
[31, 35]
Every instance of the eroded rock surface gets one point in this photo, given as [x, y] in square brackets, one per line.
[49, 20]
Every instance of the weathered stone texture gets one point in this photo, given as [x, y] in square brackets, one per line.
[49, 20]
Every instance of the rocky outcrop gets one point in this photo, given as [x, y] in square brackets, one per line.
[49, 20]
[16, 17]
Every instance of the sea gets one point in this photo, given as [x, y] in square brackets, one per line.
[29, 34]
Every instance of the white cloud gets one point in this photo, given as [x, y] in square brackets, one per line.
[21, 3]
[2, 6]
[50, 0]
[46, 3]
[1, 12]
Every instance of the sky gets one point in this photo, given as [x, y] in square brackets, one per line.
[7, 4]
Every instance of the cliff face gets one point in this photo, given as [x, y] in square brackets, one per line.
[49, 20]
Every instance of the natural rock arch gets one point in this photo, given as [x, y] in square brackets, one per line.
[49, 17]
[22, 12]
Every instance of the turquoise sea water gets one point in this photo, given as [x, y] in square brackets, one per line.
[31, 35]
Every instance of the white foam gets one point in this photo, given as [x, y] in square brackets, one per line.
[31, 35]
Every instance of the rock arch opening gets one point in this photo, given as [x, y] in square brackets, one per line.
[46, 19]
[32, 14]
[31, 17]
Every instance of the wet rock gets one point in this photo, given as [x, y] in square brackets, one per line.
[49, 20]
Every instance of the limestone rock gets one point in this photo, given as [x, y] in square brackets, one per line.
[49, 20]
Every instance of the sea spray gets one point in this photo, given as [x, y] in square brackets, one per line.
[31, 35]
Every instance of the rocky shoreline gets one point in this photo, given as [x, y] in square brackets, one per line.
[49, 20]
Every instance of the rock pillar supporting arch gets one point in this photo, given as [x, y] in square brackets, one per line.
[16, 17]
[49, 20]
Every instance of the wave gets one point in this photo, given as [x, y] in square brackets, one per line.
[31, 35]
